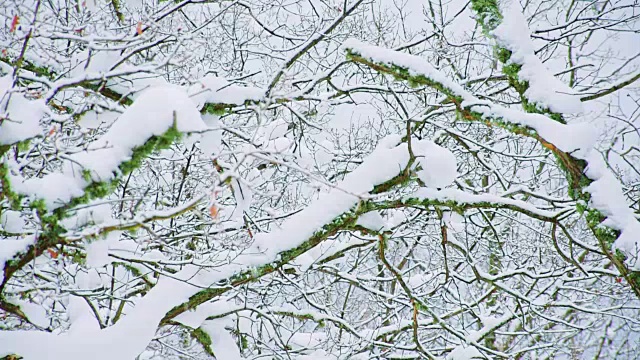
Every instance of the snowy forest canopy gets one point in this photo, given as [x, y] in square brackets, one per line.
[319, 179]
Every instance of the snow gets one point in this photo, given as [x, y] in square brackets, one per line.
[275, 129]
[608, 198]
[439, 166]
[438, 170]
[544, 89]
[243, 195]
[153, 113]
[98, 250]
[465, 352]
[211, 141]
[19, 117]
[194, 318]
[93, 213]
[463, 197]
[453, 220]
[10, 247]
[222, 343]
[55, 189]
[34, 312]
[92, 61]
[577, 139]
[567, 138]
[324, 250]
[11, 221]
[93, 119]
[372, 221]
[317, 355]
[80, 316]
[279, 145]
[216, 90]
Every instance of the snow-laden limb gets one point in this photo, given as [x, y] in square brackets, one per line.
[130, 336]
[567, 138]
[79, 228]
[608, 198]
[384, 163]
[157, 111]
[462, 199]
[544, 89]
[577, 139]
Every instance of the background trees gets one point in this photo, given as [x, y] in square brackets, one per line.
[238, 179]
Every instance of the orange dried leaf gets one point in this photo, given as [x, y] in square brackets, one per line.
[14, 23]
[213, 211]
[52, 253]
[139, 28]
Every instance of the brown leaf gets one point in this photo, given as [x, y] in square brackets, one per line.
[14, 23]
[213, 211]
[52, 253]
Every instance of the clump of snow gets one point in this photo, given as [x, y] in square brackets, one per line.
[279, 145]
[217, 90]
[197, 316]
[607, 196]
[243, 195]
[372, 221]
[453, 220]
[438, 165]
[35, 313]
[465, 352]
[19, 117]
[55, 189]
[80, 316]
[222, 343]
[11, 221]
[92, 61]
[93, 213]
[98, 250]
[211, 141]
[93, 119]
[544, 89]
